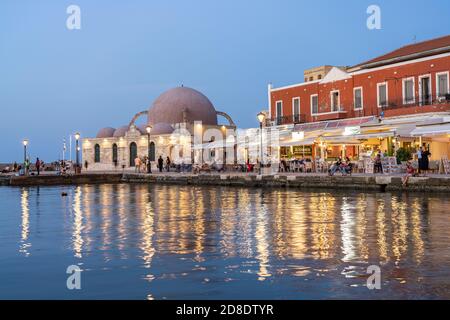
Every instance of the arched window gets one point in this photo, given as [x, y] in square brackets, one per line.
[97, 153]
[114, 154]
[133, 153]
[152, 151]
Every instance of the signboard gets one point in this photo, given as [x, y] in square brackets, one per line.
[302, 150]
[300, 135]
[350, 131]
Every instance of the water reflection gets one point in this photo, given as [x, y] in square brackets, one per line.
[224, 234]
[25, 224]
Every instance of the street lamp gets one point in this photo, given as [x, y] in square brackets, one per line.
[77, 148]
[25, 144]
[149, 166]
[261, 117]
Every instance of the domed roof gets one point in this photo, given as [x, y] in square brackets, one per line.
[120, 132]
[169, 107]
[161, 128]
[106, 133]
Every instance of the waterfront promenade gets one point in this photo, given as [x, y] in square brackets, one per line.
[380, 182]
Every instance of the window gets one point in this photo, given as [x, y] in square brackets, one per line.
[335, 103]
[311, 78]
[358, 98]
[442, 84]
[314, 104]
[114, 154]
[152, 151]
[97, 153]
[408, 91]
[296, 109]
[279, 111]
[382, 95]
[319, 77]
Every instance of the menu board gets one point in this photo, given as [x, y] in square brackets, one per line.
[368, 165]
[446, 165]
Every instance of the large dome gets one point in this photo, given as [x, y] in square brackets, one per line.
[106, 133]
[169, 106]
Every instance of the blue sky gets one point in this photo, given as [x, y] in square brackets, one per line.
[54, 81]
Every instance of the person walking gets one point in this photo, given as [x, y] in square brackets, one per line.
[160, 163]
[38, 166]
[15, 166]
[425, 160]
[419, 158]
[137, 165]
[27, 166]
[168, 164]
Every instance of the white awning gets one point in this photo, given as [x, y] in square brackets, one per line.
[432, 130]
[293, 143]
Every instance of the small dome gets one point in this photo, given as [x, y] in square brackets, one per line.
[161, 128]
[106, 133]
[120, 132]
[142, 128]
[170, 106]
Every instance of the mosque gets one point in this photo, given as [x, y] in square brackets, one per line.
[177, 120]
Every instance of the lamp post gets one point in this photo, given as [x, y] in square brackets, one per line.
[25, 144]
[149, 166]
[77, 148]
[261, 117]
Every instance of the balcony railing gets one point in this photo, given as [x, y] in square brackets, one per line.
[415, 102]
[292, 119]
[366, 110]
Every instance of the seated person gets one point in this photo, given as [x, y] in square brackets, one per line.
[410, 172]
[336, 166]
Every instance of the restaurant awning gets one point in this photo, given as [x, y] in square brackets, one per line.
[292, 143]
[333, 124]
[432, 130]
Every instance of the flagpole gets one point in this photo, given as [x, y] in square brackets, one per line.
[70, 147]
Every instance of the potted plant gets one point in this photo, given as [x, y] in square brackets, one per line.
[403, 155]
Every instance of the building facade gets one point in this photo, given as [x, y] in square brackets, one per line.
[179, 119]
[411, 83]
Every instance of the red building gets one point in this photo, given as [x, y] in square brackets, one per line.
[411, 80]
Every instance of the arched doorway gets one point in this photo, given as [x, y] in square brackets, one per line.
[114, 155]
[152, 151]
[133, 153]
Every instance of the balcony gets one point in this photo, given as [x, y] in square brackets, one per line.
[292, 119]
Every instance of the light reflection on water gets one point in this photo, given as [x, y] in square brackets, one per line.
[185, 242]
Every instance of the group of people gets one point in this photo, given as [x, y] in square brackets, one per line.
[143, 165]
[423, 155]
[344, 167]
[423, 160]
[39, 165]
[298, 164]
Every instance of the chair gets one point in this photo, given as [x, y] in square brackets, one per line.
[308, 166]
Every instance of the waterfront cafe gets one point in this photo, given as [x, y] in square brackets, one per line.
[360, 138]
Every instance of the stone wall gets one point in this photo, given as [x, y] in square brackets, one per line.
[372, 183]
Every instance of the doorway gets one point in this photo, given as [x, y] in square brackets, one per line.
[425, 91]
[133, 153]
